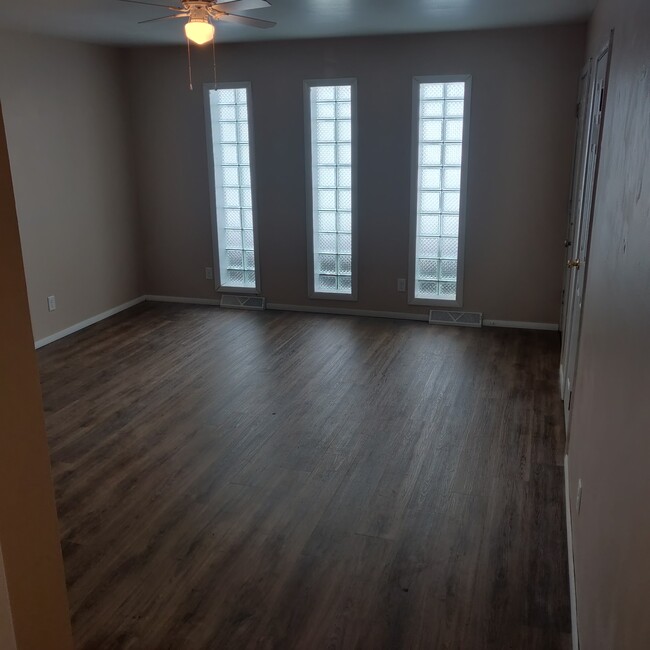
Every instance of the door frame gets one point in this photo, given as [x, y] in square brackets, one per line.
[583, 131]
[582, 224]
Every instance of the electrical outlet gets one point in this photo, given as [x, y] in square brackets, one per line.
[209, 275]
[579, 496]
[401, 285]
[51, 303]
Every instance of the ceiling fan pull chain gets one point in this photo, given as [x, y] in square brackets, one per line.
[189, 63]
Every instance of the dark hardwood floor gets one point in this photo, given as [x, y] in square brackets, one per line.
[231, 479]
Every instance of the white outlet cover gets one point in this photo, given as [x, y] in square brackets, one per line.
[51, 303]
[208, 273]
[401, 284]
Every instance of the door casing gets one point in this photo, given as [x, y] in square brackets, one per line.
[582, 208]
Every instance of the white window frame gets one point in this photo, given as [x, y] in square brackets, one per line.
[308, 85]
[415, 144]
[217, 249]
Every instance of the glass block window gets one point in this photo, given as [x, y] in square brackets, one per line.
[332, 132]
[440, 170]
[231, 153]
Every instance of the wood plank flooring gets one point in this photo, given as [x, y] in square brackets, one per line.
[230, 479]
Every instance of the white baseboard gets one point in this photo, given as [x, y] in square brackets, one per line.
[521, 325]
[87, 323]
[575, 641]
[343, 311]
[185, 301]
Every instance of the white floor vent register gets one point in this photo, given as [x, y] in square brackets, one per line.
[463, 318]
[242, 302]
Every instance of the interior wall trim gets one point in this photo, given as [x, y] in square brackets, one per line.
[279, 307]
[575, 641]
[186, 301]
[342, 311]
[406, 316]
[87, 323]
[521, 325]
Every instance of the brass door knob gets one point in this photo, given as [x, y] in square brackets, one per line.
[573, 264]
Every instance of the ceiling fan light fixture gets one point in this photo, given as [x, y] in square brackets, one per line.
[199, 30]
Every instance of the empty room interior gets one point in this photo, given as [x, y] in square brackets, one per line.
[325, 325]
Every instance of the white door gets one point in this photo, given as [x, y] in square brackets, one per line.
[579, 248]
[583, 123]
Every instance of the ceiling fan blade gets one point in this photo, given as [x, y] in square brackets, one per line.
[243, 20]
[242, 5]
[151, 4]
[153, 20]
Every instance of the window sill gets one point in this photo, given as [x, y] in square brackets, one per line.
[432, 302]
[248, 290]
[332, 296]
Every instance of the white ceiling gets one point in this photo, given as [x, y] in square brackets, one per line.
[111, 21]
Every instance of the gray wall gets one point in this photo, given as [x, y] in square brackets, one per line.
[522, 128]
[610, 432]
[67, 131]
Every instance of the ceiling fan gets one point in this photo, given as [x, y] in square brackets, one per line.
[201, 13]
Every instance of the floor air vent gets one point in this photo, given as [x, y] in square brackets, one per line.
[242, 302]
[464, 318]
